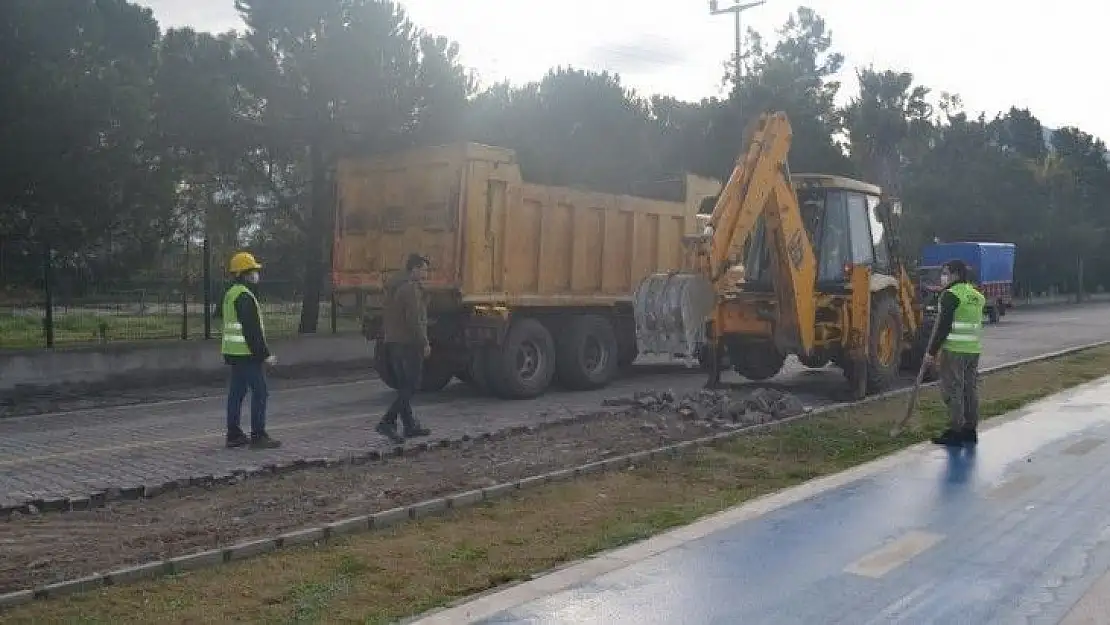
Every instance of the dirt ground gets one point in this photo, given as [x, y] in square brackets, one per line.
[41, 549]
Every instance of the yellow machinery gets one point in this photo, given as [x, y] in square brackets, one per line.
[822, 277]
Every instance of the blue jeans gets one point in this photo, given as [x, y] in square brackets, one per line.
[247, 376]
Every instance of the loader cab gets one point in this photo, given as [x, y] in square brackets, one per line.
[844, 220]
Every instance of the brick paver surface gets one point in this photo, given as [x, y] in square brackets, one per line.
[72, 454]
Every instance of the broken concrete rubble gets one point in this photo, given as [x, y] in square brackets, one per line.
[721, 407]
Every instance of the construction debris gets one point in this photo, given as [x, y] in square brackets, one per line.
[718, 407]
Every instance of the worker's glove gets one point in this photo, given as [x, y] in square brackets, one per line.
[427, 350]
[271, 360]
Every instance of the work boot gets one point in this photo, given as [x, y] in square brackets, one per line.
[263, 441]
[970, 436]
[237, 439]
[389, 431]
[950, 438]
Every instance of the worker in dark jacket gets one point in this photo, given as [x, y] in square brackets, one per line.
[958, 342]
[244, 348]
[405, 325]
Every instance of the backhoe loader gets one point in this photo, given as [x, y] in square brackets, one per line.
[823, 277]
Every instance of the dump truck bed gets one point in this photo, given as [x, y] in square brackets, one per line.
[493, 238]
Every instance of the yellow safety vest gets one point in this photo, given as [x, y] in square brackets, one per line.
[233, 343]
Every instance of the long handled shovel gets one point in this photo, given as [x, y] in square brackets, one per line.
[897, 429]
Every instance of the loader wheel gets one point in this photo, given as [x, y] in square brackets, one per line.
[587, 357]
[524, 365]
[381, 365]
[884, 350]
[756, 361]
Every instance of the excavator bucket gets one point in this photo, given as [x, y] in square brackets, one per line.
[670, 311]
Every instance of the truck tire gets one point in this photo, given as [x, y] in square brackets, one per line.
[756, 361]
[993, 315]
[476, 373]
[436, 375]
[381, 365]
[814, 361]
[884, 349]
[525, 363]
[588, 356]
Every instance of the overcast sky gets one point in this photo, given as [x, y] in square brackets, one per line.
[989, 51]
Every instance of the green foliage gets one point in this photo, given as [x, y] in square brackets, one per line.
[123, 145]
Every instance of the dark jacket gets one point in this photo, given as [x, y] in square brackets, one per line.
[250, 317]
[405, 314]
[947, 313]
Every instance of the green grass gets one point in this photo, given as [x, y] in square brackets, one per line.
[379, 577]
[18, 331]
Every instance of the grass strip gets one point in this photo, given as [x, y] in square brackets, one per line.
[383, 576]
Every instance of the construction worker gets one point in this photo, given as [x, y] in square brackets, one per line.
[244, 348]
[958, 342]
[405, 325]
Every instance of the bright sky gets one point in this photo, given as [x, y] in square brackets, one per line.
[991, 52]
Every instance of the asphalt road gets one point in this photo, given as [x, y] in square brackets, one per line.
[74, 453]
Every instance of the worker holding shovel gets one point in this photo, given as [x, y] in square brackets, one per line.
[955, 347]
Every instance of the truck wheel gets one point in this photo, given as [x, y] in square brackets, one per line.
[815, 361]
[587, 358]
[756, 361]
[884, 349]
[524, 365]
[381, 365]
[436, 375]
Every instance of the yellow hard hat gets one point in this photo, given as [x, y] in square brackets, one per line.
[243, 261]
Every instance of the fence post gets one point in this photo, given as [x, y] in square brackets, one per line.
[48, 292]
[206, 269]
[334, 313]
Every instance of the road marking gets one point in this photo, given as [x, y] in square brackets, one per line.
[1093, 608]
[1084, 446]
[1015, 486]
[893, 554]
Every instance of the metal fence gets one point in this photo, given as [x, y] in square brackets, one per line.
[65, 310]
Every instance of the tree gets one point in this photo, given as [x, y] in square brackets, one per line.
[572, 128]
[338, 77]
[885, 123]
[795, 76]
[78, 178]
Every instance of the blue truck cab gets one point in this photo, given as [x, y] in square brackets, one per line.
[992, 269]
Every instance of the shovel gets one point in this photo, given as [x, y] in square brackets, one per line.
[897, 429]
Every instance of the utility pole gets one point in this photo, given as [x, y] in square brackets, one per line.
[736, 10]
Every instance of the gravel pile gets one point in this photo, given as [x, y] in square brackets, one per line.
[717, 407]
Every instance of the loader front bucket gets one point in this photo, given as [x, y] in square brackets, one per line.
[670, 312]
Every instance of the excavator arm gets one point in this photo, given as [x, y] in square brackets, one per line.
[760, 185]
[671, 309]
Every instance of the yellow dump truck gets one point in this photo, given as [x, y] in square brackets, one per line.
[528, 284]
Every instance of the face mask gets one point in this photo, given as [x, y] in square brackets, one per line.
[253, 277]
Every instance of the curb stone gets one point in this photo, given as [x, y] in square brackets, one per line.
[437, 506]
